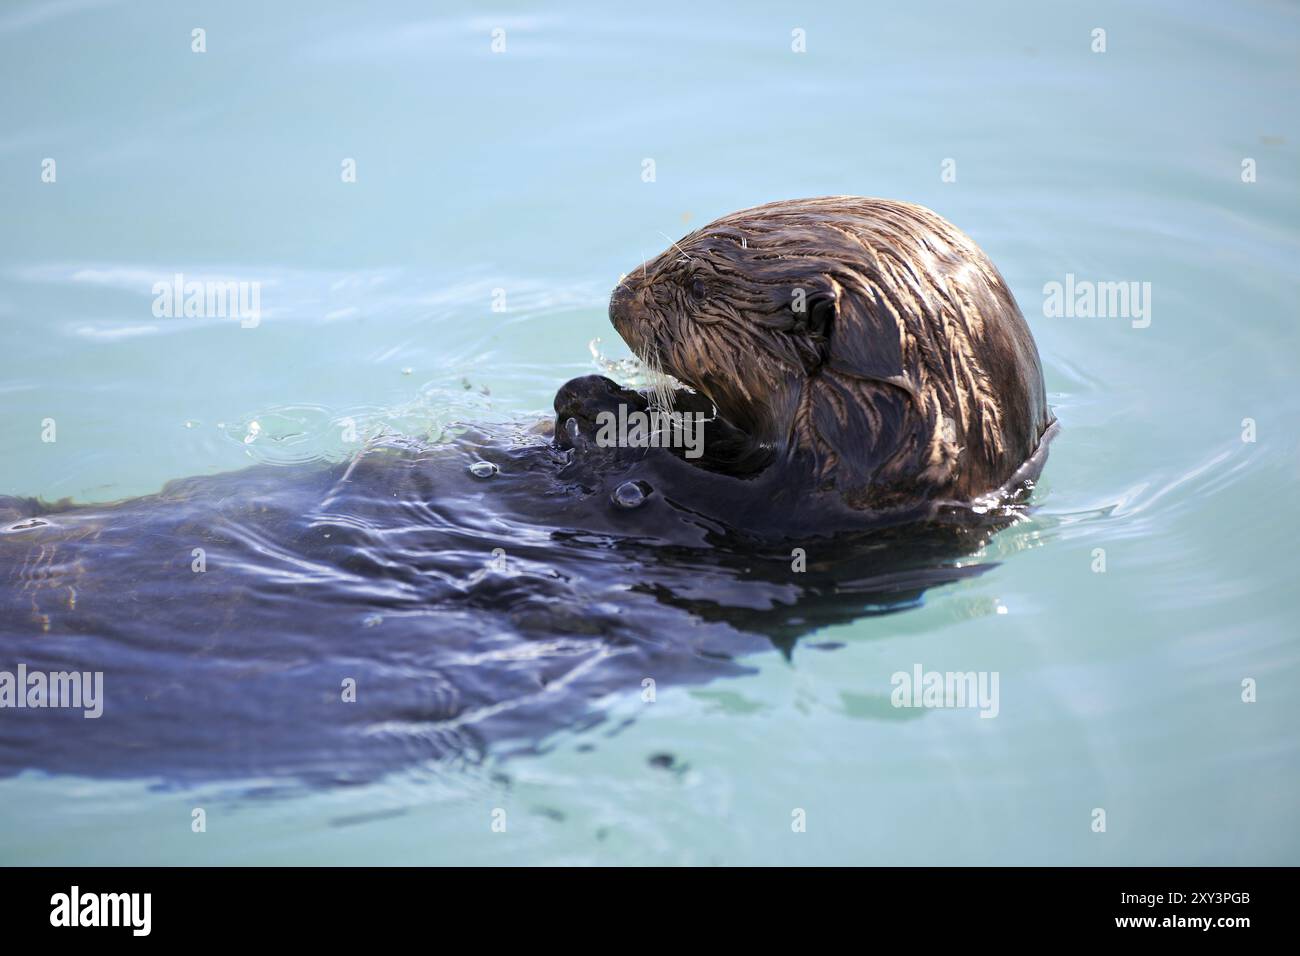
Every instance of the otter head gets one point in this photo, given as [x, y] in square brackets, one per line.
[722, 314]
[868, 339]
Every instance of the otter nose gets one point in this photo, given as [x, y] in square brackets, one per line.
[625, 312]
[620, 301]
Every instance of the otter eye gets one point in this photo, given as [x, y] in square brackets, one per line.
[697, 290]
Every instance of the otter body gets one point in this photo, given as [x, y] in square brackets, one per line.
[863, 372]
[328, 624]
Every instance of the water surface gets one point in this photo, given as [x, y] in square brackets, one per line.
[522, 171]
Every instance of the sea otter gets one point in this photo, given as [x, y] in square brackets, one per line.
[864, 376]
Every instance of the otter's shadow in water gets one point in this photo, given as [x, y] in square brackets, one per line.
[472, 613]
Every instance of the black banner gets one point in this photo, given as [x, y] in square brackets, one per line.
[332, 905]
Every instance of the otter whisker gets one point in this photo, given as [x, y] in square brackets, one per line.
[660, 383]
[677, 247]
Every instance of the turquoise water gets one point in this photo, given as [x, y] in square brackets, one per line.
[522, 171]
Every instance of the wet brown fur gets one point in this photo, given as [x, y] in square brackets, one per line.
[908, 374]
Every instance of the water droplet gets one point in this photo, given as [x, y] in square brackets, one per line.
[254, 429]
[191, 424]
[483, 469]
[408, 370]
[372, 620]
[631, 494]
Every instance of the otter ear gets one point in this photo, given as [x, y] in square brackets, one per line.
[862, 336]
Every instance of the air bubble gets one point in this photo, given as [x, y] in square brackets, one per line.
[631, 494]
